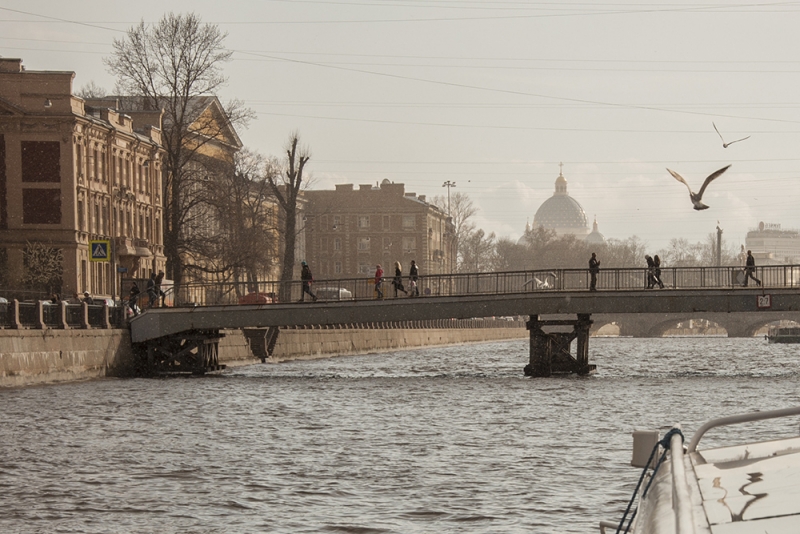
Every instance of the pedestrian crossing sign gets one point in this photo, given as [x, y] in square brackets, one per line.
[99, 250]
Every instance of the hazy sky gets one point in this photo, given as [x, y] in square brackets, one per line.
[494, 94]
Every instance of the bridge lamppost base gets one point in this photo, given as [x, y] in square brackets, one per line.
[550, 351]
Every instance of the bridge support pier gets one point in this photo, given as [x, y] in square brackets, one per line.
[195, 352]
[550, 351]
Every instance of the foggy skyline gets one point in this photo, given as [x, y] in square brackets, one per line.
[493, 95]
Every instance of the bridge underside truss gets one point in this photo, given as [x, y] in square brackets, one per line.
[195, 352]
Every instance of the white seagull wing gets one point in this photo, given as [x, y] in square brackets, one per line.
[719, 134]
[710, 178]
[681, 180]
[742, 139]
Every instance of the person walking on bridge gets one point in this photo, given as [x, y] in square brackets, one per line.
[594, 268]
[398, 279]
[307, 278]
[657, 271]
[413, 278]
[651, 272]
[750, 269]
[379, 281]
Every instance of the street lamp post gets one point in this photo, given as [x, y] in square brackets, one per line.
[448, 184]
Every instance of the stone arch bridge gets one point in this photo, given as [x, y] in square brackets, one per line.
[656, 324]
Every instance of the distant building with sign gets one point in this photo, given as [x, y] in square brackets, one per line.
[773, 244]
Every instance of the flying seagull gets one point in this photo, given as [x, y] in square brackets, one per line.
[696, 197]
[724, 144]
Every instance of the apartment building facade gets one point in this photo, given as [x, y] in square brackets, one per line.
[349, 231]
[72, 174]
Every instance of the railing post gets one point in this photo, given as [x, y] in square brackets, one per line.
[38, 321]
[85, 316]
[62, 321]
[14, 320]
[106, 319]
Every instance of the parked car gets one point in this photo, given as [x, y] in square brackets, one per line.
[333, 293]
[258, 298]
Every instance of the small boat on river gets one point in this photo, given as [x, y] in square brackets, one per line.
[744, 488]
[784, 334]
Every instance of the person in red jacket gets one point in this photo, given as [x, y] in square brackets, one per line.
[379, 281]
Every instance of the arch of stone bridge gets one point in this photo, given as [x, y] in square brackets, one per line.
[656, 324]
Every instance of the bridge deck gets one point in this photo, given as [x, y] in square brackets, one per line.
[161, 322]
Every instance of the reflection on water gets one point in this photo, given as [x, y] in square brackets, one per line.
[450, 439]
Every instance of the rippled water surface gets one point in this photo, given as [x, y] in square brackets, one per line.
[450, 439]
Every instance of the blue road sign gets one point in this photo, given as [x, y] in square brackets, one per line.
[100, 250]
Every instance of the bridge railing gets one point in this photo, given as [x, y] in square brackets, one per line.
[508, 282]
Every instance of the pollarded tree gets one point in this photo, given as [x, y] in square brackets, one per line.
[286, 180]
[176, 65]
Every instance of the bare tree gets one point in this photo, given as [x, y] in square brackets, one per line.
[244, 205]
[91, 90]
[175, 65]
[461, 210]
[44, 267]
[286, 181]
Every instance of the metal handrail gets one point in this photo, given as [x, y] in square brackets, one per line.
[506, 282]
[682, 505]
[736, 419]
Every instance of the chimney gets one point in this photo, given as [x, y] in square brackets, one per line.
[344, 187]
[8, 64]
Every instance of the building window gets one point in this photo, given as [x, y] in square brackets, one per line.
[387, 243]
[409, 244]
[81, 219]
[364, 268]
[41, 206]
[363, 221]
[41, 161]
[409, 222]
[387, 222]
[337, 220]
[337, 243]
[323, 245]
[363, 244]
[337, 268]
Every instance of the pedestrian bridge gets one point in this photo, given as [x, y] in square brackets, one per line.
[532, 293]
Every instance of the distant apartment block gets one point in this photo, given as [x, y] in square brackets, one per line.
[774, 245]
[349, 231]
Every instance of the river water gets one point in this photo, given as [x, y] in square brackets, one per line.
[450, 439]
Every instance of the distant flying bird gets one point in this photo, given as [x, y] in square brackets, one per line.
[724, 144]
[696, 197]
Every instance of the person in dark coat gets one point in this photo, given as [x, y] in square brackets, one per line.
[133, 297]
[657, 270]
[151, 291]
[413, 278]
[651, 272]
[159, 293]
[378, 281]
[87, 298]
[594, 269]
[307, 278]
[750, 269]
[398, 279]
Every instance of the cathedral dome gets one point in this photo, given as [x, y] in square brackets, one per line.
[561, 212]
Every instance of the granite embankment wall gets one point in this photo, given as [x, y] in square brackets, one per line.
[29, 357]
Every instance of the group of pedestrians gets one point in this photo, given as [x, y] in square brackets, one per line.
[654, 271]
[397, 281]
